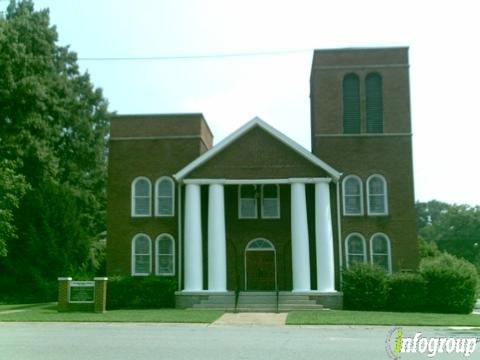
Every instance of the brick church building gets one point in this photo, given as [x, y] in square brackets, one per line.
[258, 212]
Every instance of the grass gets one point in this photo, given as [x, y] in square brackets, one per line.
[49, 314]
[344, 317]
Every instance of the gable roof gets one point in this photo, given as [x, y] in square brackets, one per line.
[256, 121]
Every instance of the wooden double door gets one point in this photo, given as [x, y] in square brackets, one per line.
[260, 270]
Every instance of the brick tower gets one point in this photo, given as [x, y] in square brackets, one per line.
[360, 125]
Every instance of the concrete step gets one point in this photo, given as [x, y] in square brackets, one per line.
[300, 307]
[296, 301]
[212, 306]
[218, 300]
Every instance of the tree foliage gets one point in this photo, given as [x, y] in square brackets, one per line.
[53, 129]
[453, 228]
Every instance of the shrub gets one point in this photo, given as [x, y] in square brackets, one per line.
[141, 292]
[451, 284]
[406, 292]
[364, 287]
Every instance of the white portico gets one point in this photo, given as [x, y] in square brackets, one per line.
[300, 223]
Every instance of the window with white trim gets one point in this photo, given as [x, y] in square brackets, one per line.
[164, 197]
[270, 201]
[141, 197]
[352, 195]
[380, 251]
[247, 202]
[141, 255]
[355, 249]
[165, 259]
[377, 195]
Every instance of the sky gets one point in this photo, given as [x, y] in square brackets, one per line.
[230, 90]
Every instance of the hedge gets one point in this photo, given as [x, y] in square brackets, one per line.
[444, 284]
[451, 284]
[407, 292]
[364, 288]
[141, 292]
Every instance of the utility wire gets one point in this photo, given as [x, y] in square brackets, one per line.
[198, 56]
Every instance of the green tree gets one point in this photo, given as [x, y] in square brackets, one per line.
[12, 188]
[453, 228]
[53, 126]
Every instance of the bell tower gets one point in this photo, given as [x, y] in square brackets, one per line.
[360, 125]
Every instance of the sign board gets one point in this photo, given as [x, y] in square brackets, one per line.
[82, 292]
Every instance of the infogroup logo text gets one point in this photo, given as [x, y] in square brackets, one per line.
[398, 343]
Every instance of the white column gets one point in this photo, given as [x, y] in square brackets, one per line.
[217, 251]
[324, 239]
[193, 239]
[300, 242]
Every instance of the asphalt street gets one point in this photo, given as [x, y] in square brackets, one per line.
[82, 341]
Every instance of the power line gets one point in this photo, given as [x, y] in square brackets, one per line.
[196, 56]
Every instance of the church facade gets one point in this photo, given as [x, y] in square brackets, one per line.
[257, 211]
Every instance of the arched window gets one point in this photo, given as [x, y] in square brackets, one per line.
[165, 197]
[351, 104]
[352, 195]
[380, 251]
[374, 90]
[377, 195]
[270, 201]
[141, 255]
[260, 245]
[165, 259]
[141, 197]
[247, 202]
[355, 249]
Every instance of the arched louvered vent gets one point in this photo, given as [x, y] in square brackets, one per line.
[374, 103]
[351, 104]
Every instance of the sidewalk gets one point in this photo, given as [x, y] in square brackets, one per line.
[272, 319]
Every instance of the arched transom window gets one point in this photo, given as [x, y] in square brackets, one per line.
[352, 195]
[141, 197]
[165, 260]
[165, 197]
[259, 245]
[380, 251]
[377, 195]
[355, 249]
[141, 255]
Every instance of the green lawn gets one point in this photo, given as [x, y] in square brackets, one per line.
[344, 317]
[49, 313]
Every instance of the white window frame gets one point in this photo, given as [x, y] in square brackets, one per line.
[134, 196]
[133, 255]
[347, 248]
[344, 195]
[278, 203]
[385, 195]
[389, 250]
[157, 240]
[159, 180]
[240, 203]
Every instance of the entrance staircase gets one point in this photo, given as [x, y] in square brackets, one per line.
[256, 301]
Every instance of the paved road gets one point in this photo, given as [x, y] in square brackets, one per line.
[83, 341]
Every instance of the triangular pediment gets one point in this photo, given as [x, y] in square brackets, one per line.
[257, 151]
